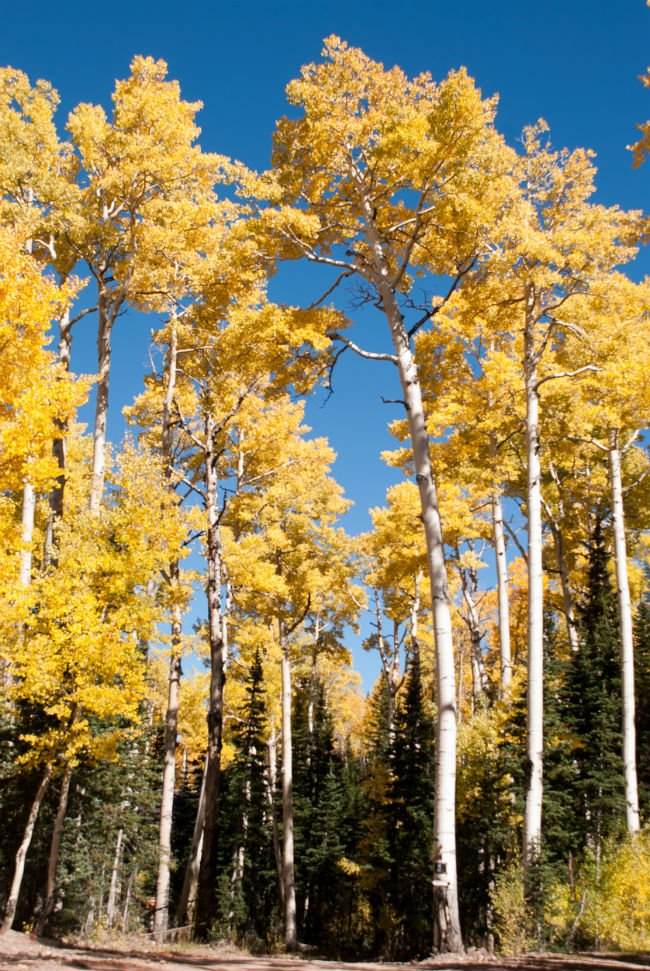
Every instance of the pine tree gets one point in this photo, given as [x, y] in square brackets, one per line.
[642, 682]
[248, 878]
[594, 707]
[411, 794]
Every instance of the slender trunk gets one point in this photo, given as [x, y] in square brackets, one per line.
[272, 782]
[55, 847]
[535, 706]
[187, 901]
[288, 874]
[114, 889]
[567, 596]
[57, 495]
[27, 534]
[627, 644]
[106, 317]
[127, 902]
[469, 582]
[555, 523]
[161, 914]
[447, 932]
[205, 901]
[19, 866]
[505, 655]
[389, 668]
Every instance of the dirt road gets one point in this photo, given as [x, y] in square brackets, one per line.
[19, 952]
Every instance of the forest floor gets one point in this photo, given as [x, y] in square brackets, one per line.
[22, 952]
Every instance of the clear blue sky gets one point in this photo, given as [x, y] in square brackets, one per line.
[573, 62]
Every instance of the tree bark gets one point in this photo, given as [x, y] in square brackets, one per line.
[535, 695]
[106, 317]
[19, 866]
[447, 931]
[272, 779]
[505, 655]
[161, 914]
[288, 872]
[469, 581]
[27, 534]
[114, 889]
[55, 847]
[627, 643]
[205, 901]
[187, 902]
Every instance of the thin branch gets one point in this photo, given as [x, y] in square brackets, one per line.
[370, 355]
[566, 374]
[330, 373]
[340, 277]
[394, 401]
[515, 540]
[300, 619]
[80, 316]
[588, 441]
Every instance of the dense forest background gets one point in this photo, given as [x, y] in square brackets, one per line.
[491, 787]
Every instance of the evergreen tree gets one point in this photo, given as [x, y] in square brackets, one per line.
[411, 816]
[594, 707]
[642, 684]
[248, 878]
[318, 803]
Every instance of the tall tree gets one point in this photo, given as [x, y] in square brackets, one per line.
[381, 179]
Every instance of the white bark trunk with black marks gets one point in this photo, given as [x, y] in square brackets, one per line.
[535, 693]
[447, 930]
[27, 534]
[288, 871]
[627, 642]
[505, 654]
[55, 847]
[187, 902]
[21, 854]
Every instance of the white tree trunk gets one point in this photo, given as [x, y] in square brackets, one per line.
[288, 874]
[161, 914]
[447, 932]
[272, 779]
[19, 867]
[446, 913]
[186, 905]
[27, 534]
[101, 403]
[505, 654]
[535, 706]
[627, 644]
[207, 874]
[55, 847]
[114, 889]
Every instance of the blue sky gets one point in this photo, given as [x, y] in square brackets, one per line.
[575, 63]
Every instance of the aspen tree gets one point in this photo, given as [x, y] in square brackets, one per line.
[609, 413]
[383, 179]
[136, 170]
[554, 245]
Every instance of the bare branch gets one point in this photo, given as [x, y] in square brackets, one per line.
[588, 441]
[340, 277]
[566, 374]
[394, 401]
[515, 540]
[370, 355]
[79, 316]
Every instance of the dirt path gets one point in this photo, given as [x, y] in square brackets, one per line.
[19, 952]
